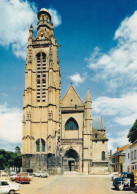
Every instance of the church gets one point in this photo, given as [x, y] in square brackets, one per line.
[57, 133]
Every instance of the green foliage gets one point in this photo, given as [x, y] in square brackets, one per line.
[10, 159]
[18, 160]
[2, 162]
[17, 149]
[132, 135]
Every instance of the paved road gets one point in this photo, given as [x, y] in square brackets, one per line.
[72, 185]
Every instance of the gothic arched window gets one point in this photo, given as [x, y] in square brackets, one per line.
[43, 145]
[38, 145]
[71, 124]
[103, 155]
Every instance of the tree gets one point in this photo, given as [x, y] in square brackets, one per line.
[2, 162]
[2, 159]
[18, 161]
[10, 159]
[132, 135]
[17, 149]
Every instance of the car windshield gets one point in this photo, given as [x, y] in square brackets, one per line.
[23, 174]
[4, 183]
[123, 175]
[3, 175]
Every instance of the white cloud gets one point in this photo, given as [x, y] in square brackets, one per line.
[119, 140]
[4, 94]
[10, 124]
[16, 18]
[77, 78]
[118, 66]
[56, 18]
[123, 109]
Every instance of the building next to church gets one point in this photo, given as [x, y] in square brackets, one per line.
[57, 133]
[118, 158]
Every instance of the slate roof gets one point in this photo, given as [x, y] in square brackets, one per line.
[97, 123]
[99, 135]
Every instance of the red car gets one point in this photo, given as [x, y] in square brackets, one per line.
[22, 178]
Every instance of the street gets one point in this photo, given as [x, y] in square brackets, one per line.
[90, 184]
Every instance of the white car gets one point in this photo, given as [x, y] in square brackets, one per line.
[7, 187]
[41, 174]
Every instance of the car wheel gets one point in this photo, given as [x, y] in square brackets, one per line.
[120, 187]
[11, 192]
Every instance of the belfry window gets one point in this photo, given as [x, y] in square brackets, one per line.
[38, 81]
[71, 124]
[41, 75]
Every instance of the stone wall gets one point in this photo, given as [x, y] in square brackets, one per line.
[98, 148]
[98, 170]
[41, 162]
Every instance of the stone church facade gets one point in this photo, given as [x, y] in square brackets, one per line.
[57, 134]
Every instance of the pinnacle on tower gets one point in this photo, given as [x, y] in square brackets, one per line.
[88, 97]
[31, 32]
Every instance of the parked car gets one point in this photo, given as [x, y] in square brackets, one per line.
[126, 180]
[22, 178]
[13, 177]
[114, 175]
[41, 174]
[12, 173]
[4, 176]
[30, 175]
[7, 187]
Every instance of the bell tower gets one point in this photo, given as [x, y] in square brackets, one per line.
[41, 111]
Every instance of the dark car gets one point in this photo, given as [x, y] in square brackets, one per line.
[126, 180]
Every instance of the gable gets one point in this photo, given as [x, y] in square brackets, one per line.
[71, 98]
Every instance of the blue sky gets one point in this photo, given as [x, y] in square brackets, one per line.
[99, 52]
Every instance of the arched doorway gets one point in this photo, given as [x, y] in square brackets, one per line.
[71, 160]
